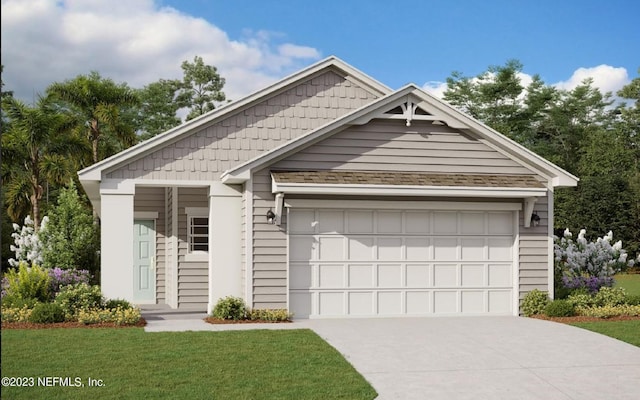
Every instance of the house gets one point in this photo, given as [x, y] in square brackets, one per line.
[331, 195]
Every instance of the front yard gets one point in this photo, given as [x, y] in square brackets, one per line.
[131, 364]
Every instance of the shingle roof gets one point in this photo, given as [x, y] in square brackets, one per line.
[405, 178]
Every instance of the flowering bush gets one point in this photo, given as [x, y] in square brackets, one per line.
[26, 283]
[119, 316]
[15, 314]
[64, 277]
[28, 247]
[609, 311]
[589, 265]
[534, 302]
[79, 297]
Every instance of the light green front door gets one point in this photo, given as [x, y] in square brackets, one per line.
[144, 272]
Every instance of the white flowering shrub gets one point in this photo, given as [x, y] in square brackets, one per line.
[589, 265]
[28, 247]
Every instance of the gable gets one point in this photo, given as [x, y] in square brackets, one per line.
[244, 135]
[391, 145]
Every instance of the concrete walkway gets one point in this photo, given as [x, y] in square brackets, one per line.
[464, 357]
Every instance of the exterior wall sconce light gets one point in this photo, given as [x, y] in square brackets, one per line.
[535, 219]
[271, 217]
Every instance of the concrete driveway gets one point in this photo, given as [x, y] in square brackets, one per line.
[484, 358]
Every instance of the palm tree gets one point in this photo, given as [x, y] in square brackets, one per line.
[36, 148]
[98, 103]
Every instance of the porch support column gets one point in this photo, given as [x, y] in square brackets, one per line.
[116, 241]
[225, 243]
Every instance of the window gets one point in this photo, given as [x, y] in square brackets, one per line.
[198, 234]
[197, 230]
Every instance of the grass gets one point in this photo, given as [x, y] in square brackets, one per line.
[630, 282]
[132, 364]
[627, 331]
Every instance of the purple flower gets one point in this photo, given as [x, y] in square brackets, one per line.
[64, 277]
[591, 283]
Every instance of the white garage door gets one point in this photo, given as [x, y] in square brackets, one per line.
[393, 263]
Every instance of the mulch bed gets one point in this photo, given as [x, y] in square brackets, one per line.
[570, 320]
[212, 320]
[29, 325]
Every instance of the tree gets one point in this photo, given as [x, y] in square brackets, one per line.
[71, 239]
[158, 107]
[201, 87]
[98, 102]
[36, 148]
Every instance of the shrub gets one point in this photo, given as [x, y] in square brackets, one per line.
[28, 283]
[12, 301]
[119, 316]
[610, 296]
[581, 299]
[610, 311]
[46, 313]
[534, 303]
[64, 277]
[269, 315]
[79, 297]
[28, 247]
[590, 265]
[112, 304]
[14, 314]
[230, 308]
[559, 308]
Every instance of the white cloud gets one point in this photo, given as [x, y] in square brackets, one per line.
[137, 41]
[605, 77]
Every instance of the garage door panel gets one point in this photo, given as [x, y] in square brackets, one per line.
[303, 222]
[301, 248]
[500, 249]
[331, 303]
[445, 302]
[417, 223]
[445, 249]
[472, 249]
[331, 248]
[389, 276]
[330, 221]
[473, 275]
[472, 302]
[360, 221]
[300, 276]
[445, 223]
[361, 276]
[445, 275]
[472, 223]
[331, 276]
[389, 303]
[500, 275]
[417, 248]
[361, 248]
[391, 262]
[417, 303]
[361, 303]
[389, 222]
[500, 223]
[389, 249]
[417, 276]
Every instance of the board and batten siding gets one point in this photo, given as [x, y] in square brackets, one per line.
[205, 154]
[390, 145]
[152, 199]
[193, 276]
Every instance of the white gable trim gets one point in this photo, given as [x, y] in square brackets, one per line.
[94, 172]
[440, 111]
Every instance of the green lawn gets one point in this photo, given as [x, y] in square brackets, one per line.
[630, 282]
[132, 364]
[627, 331]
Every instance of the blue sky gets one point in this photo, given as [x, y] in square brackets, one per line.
[254, 43]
